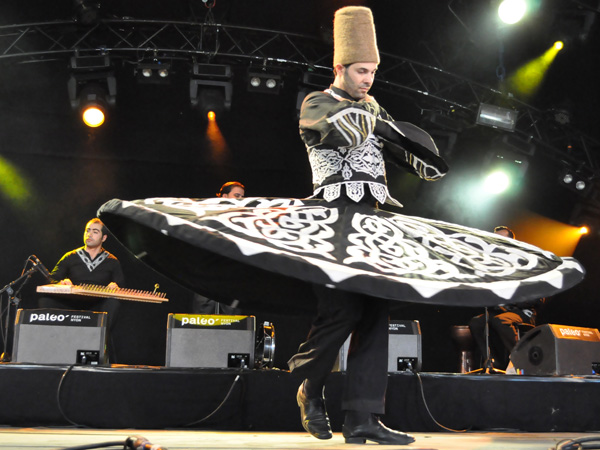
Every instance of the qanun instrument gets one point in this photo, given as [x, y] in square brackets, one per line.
[91, 290]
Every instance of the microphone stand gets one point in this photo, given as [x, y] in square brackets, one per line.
[13, 299]
[488, 365]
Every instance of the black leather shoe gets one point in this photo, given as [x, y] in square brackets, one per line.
[313, 414]
[374, 430]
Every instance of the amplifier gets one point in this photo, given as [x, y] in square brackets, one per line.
[58, 336]
[210, 341]
[557, 350]
[405, 352]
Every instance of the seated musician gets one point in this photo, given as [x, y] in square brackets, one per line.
[200, 303]
[90, 264]
[504, 323]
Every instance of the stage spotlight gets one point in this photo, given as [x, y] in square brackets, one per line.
[559, 45]
[504, 169]
[264, 82]
[496, 182]
[561, 116]
[527, 79]
[93, 116]
[155, 72]
[512, 11]
[211, 88]
[210, 100]
[92, 88]
[497, 117]
[14, 185]
[575, 180]
[93, 105]
[585, 217]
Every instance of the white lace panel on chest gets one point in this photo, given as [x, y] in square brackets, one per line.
[365, 158]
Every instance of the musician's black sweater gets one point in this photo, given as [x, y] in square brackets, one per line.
[81, 269]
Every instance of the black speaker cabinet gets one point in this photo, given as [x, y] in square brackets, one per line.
[210, 341]
[405, 352]
[58, 336]
[557, 350]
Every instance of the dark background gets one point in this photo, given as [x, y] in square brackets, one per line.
[55, 172]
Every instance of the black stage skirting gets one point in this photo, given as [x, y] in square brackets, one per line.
[264, 400]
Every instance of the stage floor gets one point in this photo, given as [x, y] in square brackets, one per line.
[264, 401]
[63, 438]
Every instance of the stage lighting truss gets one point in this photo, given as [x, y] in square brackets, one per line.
[92, 84]
[432, 87]
[576, 180]
[155, 72]
[497, 117]
[264, 82]
[211, 88]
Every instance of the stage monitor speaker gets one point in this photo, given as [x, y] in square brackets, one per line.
[405, 352]
[210, 341]
[58, 336]
[557, 350]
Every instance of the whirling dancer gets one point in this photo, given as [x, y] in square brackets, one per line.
[338, 246]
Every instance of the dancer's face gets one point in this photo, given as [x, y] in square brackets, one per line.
[356, 79]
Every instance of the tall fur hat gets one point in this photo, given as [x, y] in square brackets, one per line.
[354, 37]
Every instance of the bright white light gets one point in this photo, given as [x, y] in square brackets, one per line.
[255, 81]
[568, 178]
[271, 83]
[580, 185]
[496, 182]
[511, 11]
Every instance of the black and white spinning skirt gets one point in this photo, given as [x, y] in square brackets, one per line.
[269, 251]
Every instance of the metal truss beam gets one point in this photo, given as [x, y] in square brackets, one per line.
[133, 40]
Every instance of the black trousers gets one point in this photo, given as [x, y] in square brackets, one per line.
[339, 315]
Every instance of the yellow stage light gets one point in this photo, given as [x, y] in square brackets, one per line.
[554, 236]
[13, 184]
[528, 78]
[93, 116]
[211, 115]
[559, 45]
[584, 230]
[216, 141]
